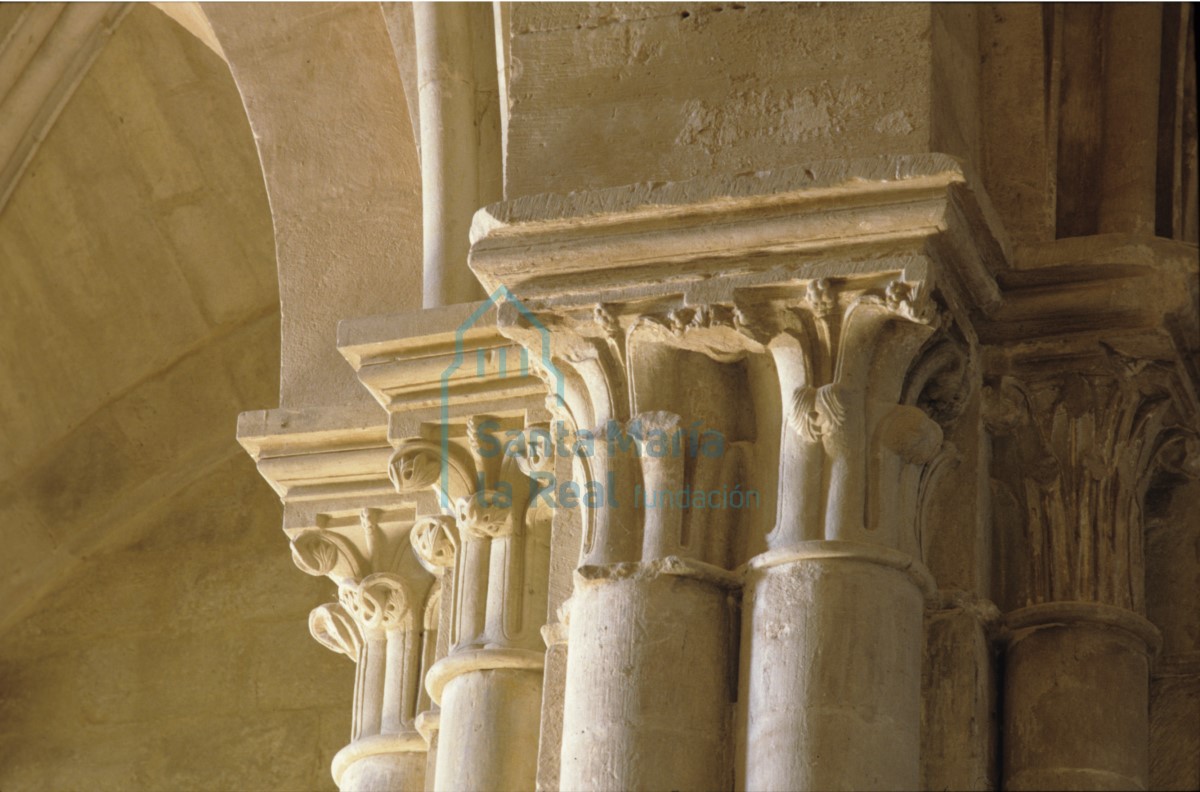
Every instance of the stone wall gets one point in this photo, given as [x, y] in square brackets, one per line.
[139, 306]
[154, 634]
[180, 661]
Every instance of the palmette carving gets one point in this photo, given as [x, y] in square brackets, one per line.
[1076, 452]
[318, 552]
[911, 301]
[414, 467]
[604, 318]
[819, 298]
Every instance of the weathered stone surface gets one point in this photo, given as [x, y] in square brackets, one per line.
[831, 421]
[122, 679]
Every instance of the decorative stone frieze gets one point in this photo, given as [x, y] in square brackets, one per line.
[812, 327]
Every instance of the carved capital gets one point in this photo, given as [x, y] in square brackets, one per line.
[498, 555]
[378, 601]
[1075, 451]
[435, 540]
[833, 364]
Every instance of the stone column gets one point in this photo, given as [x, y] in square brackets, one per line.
[465, 424]
[1132, 40]
[1085, 393]
[832, 625]
[379, 623]
[1077, 697]
[1074, 448]
[489, 684]
[748, 307]
[649, 679]
[460, 139]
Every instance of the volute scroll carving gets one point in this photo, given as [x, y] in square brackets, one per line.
[335, 629]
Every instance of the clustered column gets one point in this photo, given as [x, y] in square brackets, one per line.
[379, 623]
[651, 666]
[489, 683]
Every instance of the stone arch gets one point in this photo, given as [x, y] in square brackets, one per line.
[140, 309]
[325, 99]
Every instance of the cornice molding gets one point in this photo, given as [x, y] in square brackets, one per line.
[613, 243]
[413, 362]
[1084, 303]
[326, 465]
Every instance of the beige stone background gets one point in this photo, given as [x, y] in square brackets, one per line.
[155, 629]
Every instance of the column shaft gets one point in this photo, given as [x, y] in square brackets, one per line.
[501, 758]
[648, 687]
[490, 718]
[831, 669]
[382, 763]
[1076, 698]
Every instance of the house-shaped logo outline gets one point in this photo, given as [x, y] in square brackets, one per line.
[501, 294]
